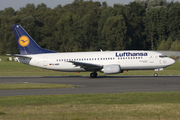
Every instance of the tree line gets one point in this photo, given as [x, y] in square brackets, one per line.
[91, 26]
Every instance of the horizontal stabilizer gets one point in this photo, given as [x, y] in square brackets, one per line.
[18, 55]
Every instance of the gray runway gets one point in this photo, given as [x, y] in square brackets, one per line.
[102, 84]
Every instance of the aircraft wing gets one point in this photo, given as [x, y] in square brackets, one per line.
[87, 66]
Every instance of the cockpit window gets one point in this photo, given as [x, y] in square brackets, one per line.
[162, 56]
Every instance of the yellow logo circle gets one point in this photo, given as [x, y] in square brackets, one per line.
[24, 41]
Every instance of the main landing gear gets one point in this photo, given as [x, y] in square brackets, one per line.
[93, 75]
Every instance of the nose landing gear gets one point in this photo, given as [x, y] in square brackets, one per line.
[155, 74]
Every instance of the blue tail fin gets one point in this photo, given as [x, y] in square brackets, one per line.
[26, 44]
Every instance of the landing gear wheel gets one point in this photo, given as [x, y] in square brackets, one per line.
[155, 74]
[93, 75]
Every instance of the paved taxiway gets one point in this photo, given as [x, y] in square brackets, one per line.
[102, 84]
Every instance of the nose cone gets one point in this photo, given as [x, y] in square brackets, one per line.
[171, 61]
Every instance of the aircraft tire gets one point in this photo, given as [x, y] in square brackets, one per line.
[93, 75]
[155, 74]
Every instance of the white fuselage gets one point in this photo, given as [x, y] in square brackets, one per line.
[128, 60]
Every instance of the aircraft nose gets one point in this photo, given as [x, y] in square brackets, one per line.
[171, 61]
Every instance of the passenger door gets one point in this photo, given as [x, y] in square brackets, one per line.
[45, 61]
[151, 58]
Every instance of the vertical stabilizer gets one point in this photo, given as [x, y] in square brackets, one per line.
[25, 42]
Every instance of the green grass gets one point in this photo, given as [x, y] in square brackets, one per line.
[133, 106]
[119, 98]
[33, 86]
[5, 58]
[11, 68]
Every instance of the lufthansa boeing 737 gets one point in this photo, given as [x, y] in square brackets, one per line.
[108, 62]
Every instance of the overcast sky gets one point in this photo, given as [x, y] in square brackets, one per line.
[16, 4]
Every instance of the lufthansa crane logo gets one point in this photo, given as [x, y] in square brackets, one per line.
[24, 41]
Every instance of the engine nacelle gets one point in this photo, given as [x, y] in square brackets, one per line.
[112, 69]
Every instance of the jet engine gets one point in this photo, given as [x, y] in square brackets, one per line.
[112, 69]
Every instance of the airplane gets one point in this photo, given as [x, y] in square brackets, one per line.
[108, 62]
